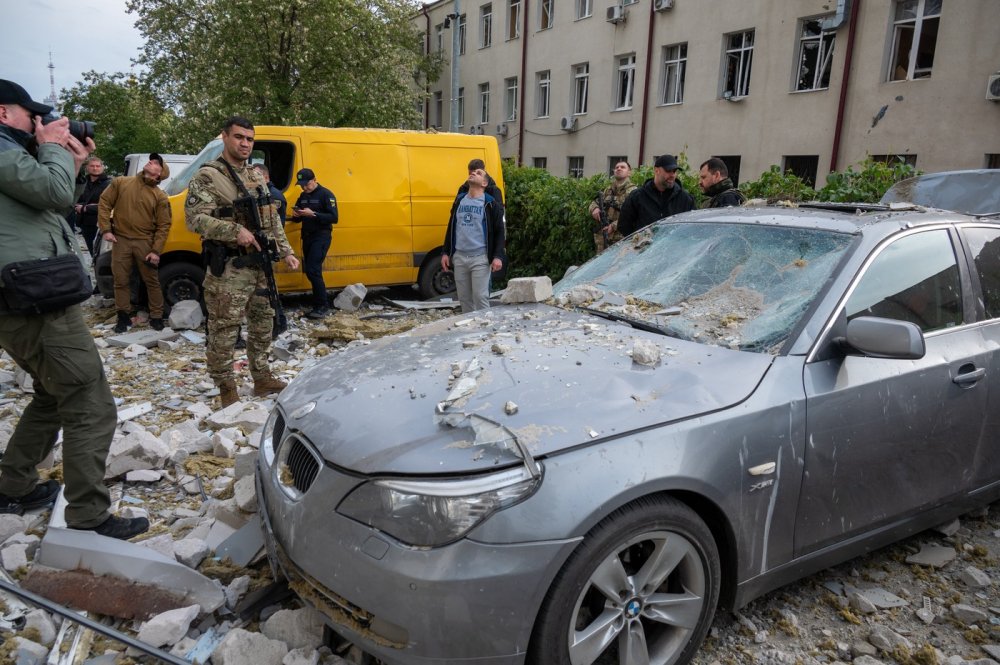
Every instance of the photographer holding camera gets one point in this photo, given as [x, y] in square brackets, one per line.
[41, 326]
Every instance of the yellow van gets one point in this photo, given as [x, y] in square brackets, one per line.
[394, 191]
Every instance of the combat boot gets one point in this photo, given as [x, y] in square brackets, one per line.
[124, 321]
[156, 324]
[227, 393]
[267, 385]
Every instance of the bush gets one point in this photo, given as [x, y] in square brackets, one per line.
[866, 185]
[774, 186]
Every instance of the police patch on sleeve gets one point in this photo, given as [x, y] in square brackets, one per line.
[192, 200]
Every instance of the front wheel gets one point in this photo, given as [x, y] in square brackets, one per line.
[433, 281]
[181, 281]
[641, 588]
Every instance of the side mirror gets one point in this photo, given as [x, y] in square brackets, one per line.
[885, 338]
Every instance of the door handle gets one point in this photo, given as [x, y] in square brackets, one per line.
[969, 378]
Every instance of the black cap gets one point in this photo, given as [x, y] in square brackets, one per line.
[304, 175]
[666, 162]
[155, 157]
[12, 93]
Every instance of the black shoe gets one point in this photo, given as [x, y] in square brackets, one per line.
[44, 494]
[240, 343]
[318, 313]
[124, 321]
[121, 528]
[156, 324]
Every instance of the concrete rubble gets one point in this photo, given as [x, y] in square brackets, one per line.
[189, 467]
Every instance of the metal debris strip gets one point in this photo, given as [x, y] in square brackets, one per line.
[83, 620]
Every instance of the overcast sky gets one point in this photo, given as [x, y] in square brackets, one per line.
[82, 35]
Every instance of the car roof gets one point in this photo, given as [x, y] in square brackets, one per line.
[974, 191]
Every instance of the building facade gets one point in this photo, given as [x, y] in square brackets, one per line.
[809, 85]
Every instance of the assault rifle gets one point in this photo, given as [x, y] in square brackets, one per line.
[599, 200]
[246, 210]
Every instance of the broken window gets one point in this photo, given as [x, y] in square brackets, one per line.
[815, 55]
[545, 9]
[804, 166]
[484, 103]
[513, 19]
[674, 69]
[892, 159]
[575, 167]
[743, 286]
[544, 80]
[992, 161]
[739, 58]
[461, 34]
[732, 163]
[914, 279]
[985, 246]
[625, 82]
[914, 39]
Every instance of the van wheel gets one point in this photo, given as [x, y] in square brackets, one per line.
[642, 587]
[433, 281]
[181, 281]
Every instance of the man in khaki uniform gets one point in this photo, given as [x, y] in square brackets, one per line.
[138, 230]
[612, 199]
[236, 286]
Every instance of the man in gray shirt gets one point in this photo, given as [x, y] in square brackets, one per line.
[473, 242]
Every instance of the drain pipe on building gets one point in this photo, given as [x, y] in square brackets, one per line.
[427, 51]
[645, 87]
[524, 85]
[843, 7]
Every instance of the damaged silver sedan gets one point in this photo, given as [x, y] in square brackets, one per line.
[717, 405]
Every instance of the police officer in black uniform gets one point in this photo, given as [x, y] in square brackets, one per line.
[316, 208]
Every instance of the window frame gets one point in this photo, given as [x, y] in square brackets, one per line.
[575, 168]
[581, 88]
[584, 9]
[462, 33]
[484, 103]
[513, 20]
[896, 28]
[510, 101]
[825, 51]
[461, 108]
[486, 25]
[543, 98]
[675, 68]
[624, 91]
[546, 14]
[738, 62]
[438, 109]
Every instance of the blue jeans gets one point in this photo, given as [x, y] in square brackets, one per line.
[314, 248]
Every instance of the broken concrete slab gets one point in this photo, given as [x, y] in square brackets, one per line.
[190, 551]
[296, 628]
[144, 476]
[246, 463]
[245, 493]
[186, 315]
[41, 621]
[444, 303]
[168, 628]
[240, 646]
[303, 656]
[134, 452]
[936, 556]
[646, 353]
[246, 416]
[350, 299]
[244, 545]
[527, 289]
[134, 411]
[882, 599]
[193, 337]
[145, 338]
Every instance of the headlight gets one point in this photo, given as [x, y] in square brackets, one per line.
[431, 513]
[268, 444]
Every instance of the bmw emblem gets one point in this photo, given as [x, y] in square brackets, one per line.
[633, 608]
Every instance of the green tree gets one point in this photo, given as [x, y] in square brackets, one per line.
[867, 184]
[292, 62]
[128, 116]
[774, 186]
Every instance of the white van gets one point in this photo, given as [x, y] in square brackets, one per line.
[135, 161]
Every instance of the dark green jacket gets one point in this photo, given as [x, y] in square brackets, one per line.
[35, 194]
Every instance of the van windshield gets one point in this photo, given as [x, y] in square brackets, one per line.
[179, 182]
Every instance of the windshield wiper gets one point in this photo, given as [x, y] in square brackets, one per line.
[638, 324]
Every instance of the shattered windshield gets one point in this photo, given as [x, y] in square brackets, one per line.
[743, 286]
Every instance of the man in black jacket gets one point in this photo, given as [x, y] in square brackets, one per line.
[717, 186]
[87, 204]
[473, 242]
[660, 196]
[317, 210]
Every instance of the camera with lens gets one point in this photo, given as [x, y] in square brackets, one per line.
[81, 130]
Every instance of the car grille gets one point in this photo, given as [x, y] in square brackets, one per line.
[301, 464]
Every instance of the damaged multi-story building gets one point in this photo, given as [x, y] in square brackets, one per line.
[812, 86]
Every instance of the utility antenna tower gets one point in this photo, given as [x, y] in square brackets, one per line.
[52, 100]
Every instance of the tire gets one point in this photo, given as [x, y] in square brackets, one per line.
[181, 281]
[642, 587]
[433, 281]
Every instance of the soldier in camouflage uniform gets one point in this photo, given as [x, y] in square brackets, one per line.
[239, 289]
[612, 198]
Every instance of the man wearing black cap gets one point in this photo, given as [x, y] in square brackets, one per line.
[38, 167]
[660, 196]
[316, 208]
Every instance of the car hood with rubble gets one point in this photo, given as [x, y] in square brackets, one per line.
[448, 397]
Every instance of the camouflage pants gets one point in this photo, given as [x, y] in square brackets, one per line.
[237, 293]
[613, 237]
